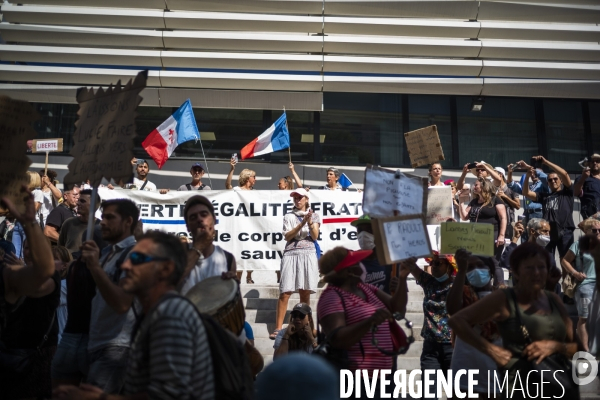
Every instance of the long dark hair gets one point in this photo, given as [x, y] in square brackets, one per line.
[296, 342]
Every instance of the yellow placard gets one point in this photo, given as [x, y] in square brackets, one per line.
[474, 237]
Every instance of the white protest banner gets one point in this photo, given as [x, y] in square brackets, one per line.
[250, 223]
[424, 146]
[387, 191]
[399, 238]
[439, 205]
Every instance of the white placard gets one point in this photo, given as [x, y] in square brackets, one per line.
[406, 239]
[46, 145]
[387, 191]
[439, 205]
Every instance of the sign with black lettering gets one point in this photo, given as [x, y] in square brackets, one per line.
[387, 191]
[474, 237]
[439, 205]
[424, 146]
[47, 145]
[104, 133]
[399, 238]
[15, 128]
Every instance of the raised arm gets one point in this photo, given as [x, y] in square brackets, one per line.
[295, 175]
[230, 175]
[55, 191]
[454, 300]
[562, 174]
[113, 294]
[491, 172]
[578, 187]
[461, 181]
[26, 280]
[526, 192]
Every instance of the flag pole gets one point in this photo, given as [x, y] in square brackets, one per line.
[92, 217]
[290, 145]
[205, 163]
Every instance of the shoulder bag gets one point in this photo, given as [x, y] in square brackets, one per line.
[316, 242]
[561, 377]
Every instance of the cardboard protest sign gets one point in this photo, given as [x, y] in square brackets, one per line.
[47, 145]
[399, 238]
[387, 191]
[424, 146]
[104, 133]
[439, 205]
[15, 128]
[474, 237]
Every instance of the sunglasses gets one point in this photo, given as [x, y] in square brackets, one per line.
[552, 179]
[596, 231]
[298, 315]
[480, 169]
[138, 258]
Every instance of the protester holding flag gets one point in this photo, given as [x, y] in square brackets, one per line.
[333, 180]
[287, 182]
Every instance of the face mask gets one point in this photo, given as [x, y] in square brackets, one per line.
[442, 278]
[366, 240]
[479, 277]
[543, 240]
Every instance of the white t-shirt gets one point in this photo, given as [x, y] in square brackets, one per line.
[213, 265]
[46, 200]
[138, 183]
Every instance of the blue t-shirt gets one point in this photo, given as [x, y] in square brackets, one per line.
[378, 275]
[584, 263]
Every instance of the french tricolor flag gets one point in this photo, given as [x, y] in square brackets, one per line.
[177, 129]
[275, 138]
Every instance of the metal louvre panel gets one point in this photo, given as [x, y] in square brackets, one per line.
[540, 70]
[213, 21]
[401, 27]
[403, 46]
[83, 16]
[290, 62]
[157, 4]
[541, 88]
[445, 9]
[509, 11]
[538, 31]
[230, 80]
[79, 55]
[463, 86]
[243, 99]
[313, 7]
[71, 75]
[242, 41]
[555, 51]
[402, 66]
[80, 36]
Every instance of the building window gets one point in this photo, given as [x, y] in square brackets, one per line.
[432, 110]
[565, 132]
[56, 121]
[595, 126]
[362, 128]
[503, 132]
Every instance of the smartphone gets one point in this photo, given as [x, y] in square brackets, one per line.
[234, 157]
[472, 165]
[535, 163]
[520, 218]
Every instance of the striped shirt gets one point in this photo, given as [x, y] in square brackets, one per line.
[358, 310]
[170, 357]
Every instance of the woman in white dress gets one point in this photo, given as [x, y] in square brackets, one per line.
[299, 265]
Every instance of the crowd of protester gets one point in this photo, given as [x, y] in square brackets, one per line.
[103, 314]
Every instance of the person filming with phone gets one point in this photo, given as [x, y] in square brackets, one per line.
[299, 265]
[300, 334]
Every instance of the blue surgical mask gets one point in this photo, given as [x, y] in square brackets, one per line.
[479, 277]
[442, 278]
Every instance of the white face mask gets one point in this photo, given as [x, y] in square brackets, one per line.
[543, 240]
[366, 240]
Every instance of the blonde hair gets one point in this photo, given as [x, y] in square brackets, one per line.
[487, 191]
[589, 223]
[34, 180]
[245, 176]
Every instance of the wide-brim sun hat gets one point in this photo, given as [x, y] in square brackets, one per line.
[474, 170]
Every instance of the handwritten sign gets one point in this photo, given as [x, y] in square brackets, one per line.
[439, 205]
[47, 145]
[387, 190]
[399, 238]
[104, 133]
[424, 146]
[474, 237]
[15, 127]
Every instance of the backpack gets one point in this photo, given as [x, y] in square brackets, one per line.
[233, 377]
[189, 187]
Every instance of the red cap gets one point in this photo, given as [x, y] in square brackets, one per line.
[353, 257]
